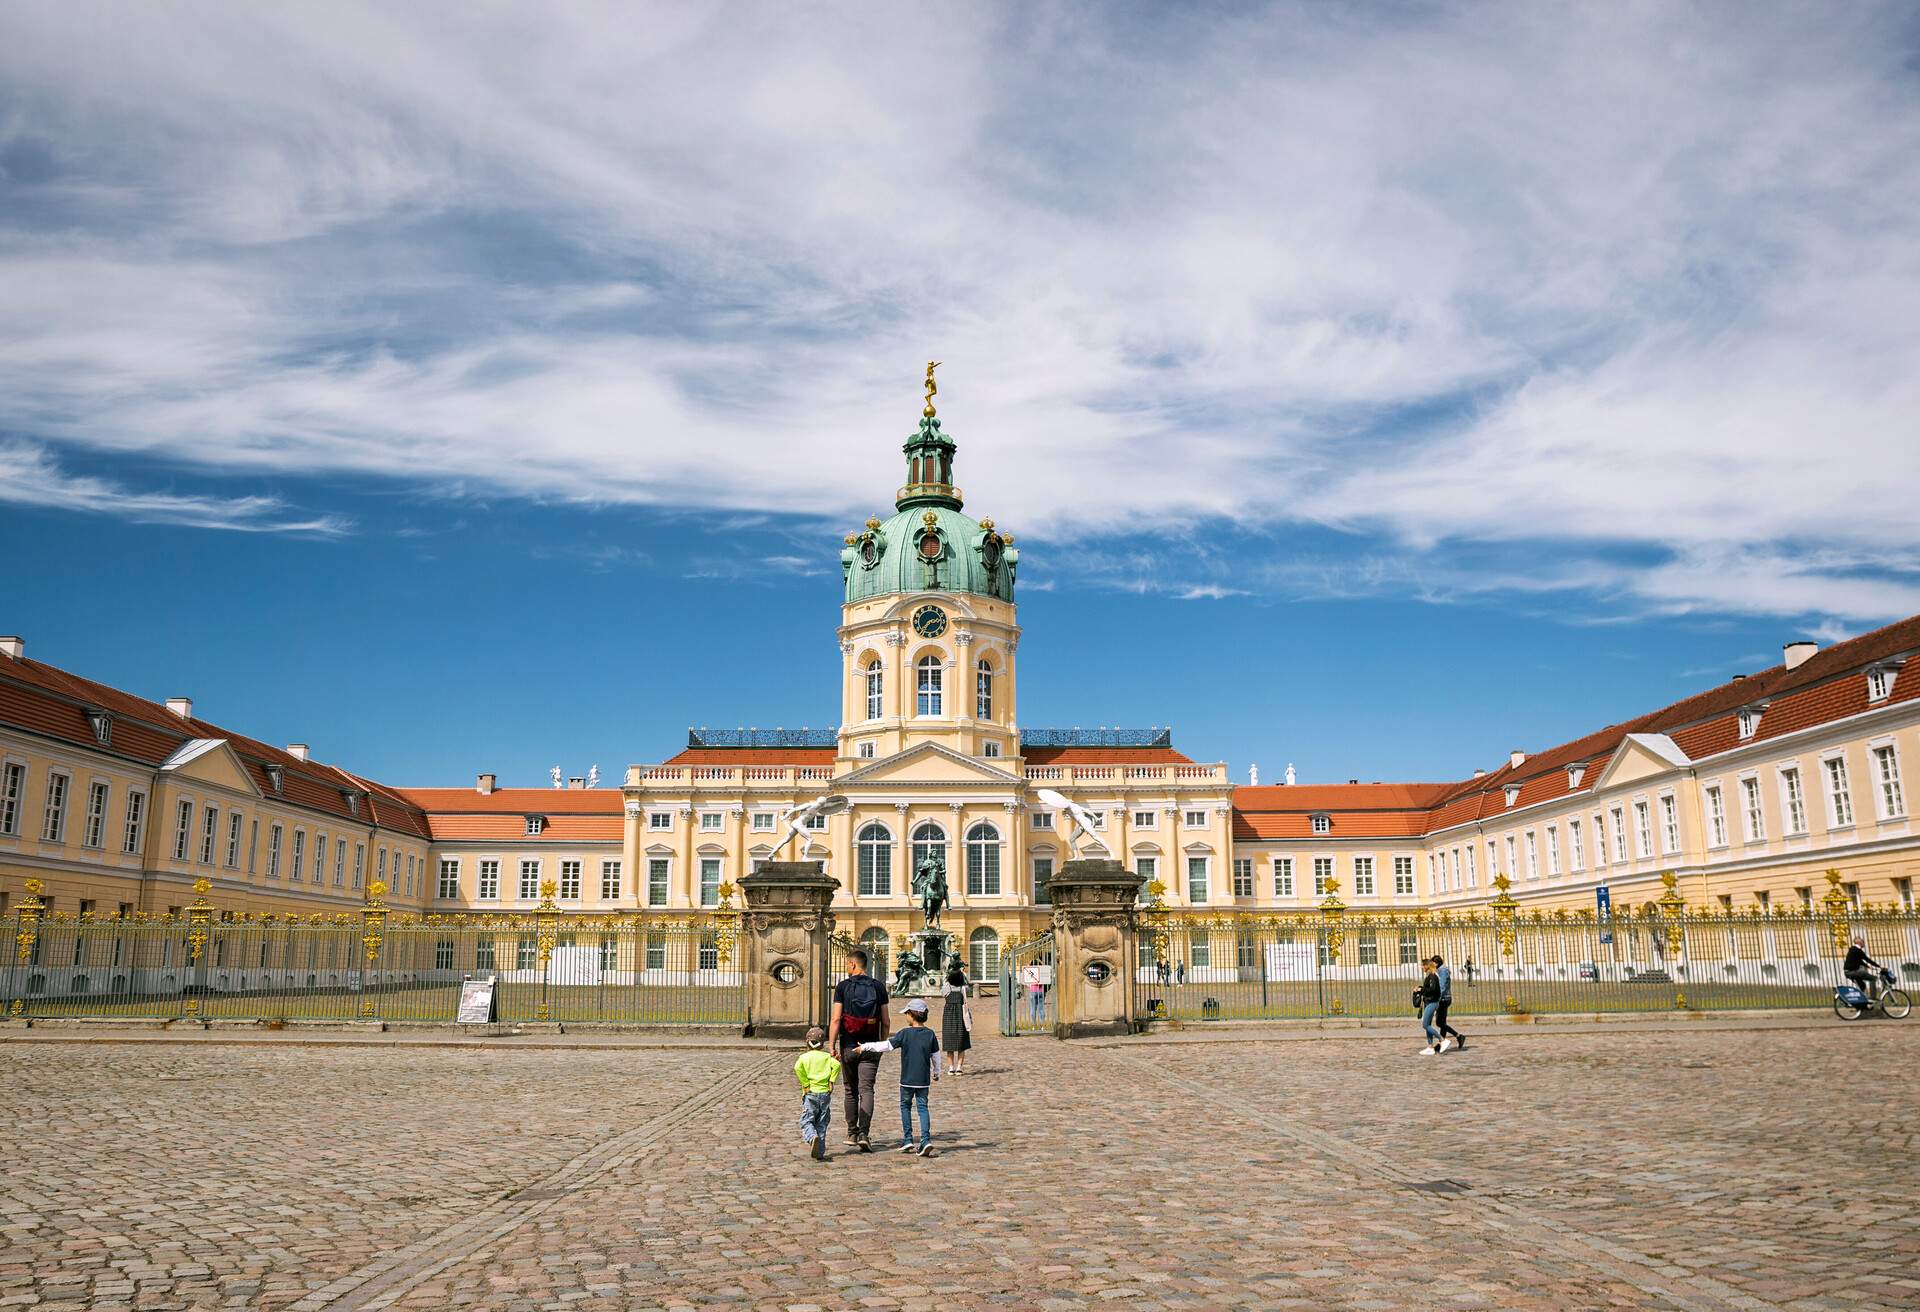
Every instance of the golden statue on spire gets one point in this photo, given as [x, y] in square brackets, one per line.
[931, 389]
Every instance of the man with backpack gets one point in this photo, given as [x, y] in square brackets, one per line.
[859, 1016]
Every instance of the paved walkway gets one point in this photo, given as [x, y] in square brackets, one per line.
[1691, 1167]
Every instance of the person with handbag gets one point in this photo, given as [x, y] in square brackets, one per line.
[1426, 1001]
[956, 1021]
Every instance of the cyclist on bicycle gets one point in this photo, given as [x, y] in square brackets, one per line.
[1856, 968]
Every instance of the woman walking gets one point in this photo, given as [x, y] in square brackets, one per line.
[955, 1023]
[1426, 1001]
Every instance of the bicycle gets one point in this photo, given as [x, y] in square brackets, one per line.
[1849, 1003]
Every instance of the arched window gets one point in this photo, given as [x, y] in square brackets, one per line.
[929, 668]
[983, 690]
[875, 686]
[983, 861]
[983, 954]
[875, 860]
[878, 948]
[929, 839]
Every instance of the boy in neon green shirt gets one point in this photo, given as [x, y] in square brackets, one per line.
[816, 1070]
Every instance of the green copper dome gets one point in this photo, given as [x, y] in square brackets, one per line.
[927, 545]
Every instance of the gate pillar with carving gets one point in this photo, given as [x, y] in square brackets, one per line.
[1095, 948]
[787, 927]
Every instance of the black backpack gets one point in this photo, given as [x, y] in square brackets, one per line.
[860, 1003]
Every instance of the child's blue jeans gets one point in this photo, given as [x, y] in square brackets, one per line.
[816, 1113]
[908, 1097]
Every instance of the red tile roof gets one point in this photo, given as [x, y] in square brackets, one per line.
[515, 801]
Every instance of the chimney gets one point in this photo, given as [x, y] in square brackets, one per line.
[298, 751]
[14, 647]
[1353, 781]
[576, 781]
[1797, 652]
[1253, 776]
[1739, 678]
[181, 706]
[1479, 774]
[1516, 758]
[484, 784]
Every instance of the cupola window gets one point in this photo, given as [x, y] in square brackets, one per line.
[929, 670]
[983, 690]
[876, 682]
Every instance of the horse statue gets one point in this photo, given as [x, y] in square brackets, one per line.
[930, 886]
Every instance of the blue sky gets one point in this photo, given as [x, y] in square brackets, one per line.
[1376, 388]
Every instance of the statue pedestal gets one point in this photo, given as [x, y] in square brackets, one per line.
[935, 947]
[788, 921]
[1096, 950]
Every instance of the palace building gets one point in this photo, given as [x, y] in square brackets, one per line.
[1748, 791]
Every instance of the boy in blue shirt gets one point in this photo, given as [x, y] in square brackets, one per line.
[918, 1070]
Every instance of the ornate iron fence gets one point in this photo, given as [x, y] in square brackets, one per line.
[377, 965]
[1027, 986]
[1340, 962]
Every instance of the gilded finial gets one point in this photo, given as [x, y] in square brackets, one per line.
[931, 389]
[873, 522]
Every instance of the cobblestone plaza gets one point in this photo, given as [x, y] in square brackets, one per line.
[1686, 1166]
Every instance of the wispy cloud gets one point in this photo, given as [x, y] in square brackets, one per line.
[31, 476]
[1621, 303]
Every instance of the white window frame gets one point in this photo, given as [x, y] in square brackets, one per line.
[447, 888]
[93, 832]
[1621, 852]
[1889, 793]
[1513, 857]
[983, 852]
[209, 834]
[710, 887]
[234, 822]
[182, 828]
[1403, 876]
[1643, 827]
[1147, 819]
[1322, 872]
[1473, 876]
[53, 823]
[528, 887]
[1199, 879]
[13, 792]
[299, 856]
[1838, 781]
[868, 750]
[1880, 680]
[572, 879]
[1041, 820]
[876, 689]
[613, 872]
[1194, 819]
[929, 694]
[712, 822]
[1283, 876]
[1533, 855]
[340, 863]
[1553, 851]
[873, 860]
[1716, 806]
[1322, 824]
[1363, 880]
[659, 880]
[990, 749]
[761, 822]
[486, 886]
[1243, 876]
[1793, 799]
[1753, 808]
[1669, 824]
[536, 825]
[1576, 847]
[983, 689]
[657, 820]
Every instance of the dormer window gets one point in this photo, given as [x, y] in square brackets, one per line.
[1575, 773]
[352, 800]
[1513, 793]
[276, 777]
[102, 725]
[1323, 823]
[1749, 721]
[536, 824]
[1880, 683]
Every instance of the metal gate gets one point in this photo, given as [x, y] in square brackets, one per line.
[1026, 987]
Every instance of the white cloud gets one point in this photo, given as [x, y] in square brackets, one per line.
[1616, 301]
[29, 475]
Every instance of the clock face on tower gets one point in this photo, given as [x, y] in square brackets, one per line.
[929, 621]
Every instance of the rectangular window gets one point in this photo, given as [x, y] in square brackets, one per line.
[570, 881]
[1148, 868]
[1043, 881]
[990, 750]
[1553, 850]
[1886, 778]
[983, 868]
[1363, 876]
[1619, 834]
[1473, 878]
[489, 883]
[273, 852]
[299, 853]
[1146, 819]
[53, 827]
[656, 952]
[529, 880]
[929, 686]
[1839, 793]
[709, 881]
[1410, 945]
[816, 821]
[13, 782]
[1716, 816]
[1599, 840]
[320, 858]
[1643, 828]
[1403, 876]
[1196, 879]
[449, 878]
[1283, 876]
[96, 830]
[1322, 875]
[443, 954]
[1795, 800]
[609, 881]
[876, 685]
[1750, 805]
[659, 819]
[359, 863]
[136, 817]
[1043, 820]
[1576, 853]
[182, 830]
[762, 821]
[339, 862]
[710, 821]
[380, 869]
[526, 954]
[209, 826]
[1243, 876]
[536, 824]
[233, 841]
[1513, 860]
[983, 692]
[1669, 824]
[1533, 856]
[709, 951]
[1369, 944]
[1196, 819]
[1199, 949]
[657, 881]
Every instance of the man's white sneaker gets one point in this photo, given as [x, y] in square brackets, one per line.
[1447, 1045]
[1426, 1052]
